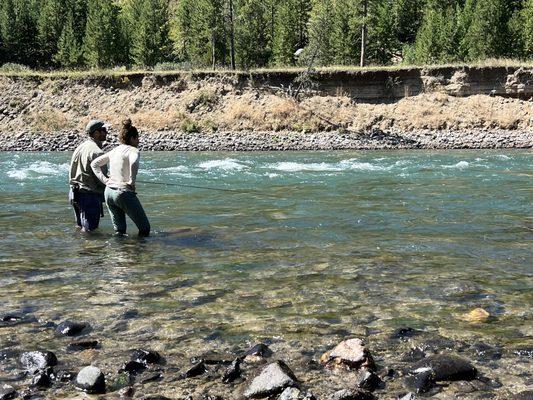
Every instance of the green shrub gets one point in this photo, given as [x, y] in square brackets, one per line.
[13, 67]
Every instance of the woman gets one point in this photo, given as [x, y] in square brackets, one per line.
[120, 196]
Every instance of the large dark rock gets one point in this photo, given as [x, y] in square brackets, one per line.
[352, 394]
[447, 367]
[91, 379]
[7, 392]
[72, 328]
[145, 356]
[272, 379]
[351, 354]
[42, 379]
[37, 360]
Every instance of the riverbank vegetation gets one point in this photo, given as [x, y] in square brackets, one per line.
[246, 34]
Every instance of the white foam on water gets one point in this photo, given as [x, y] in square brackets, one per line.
[503, 157]
[459, 165]
[227, 164]
[344, 165]
[38, 170]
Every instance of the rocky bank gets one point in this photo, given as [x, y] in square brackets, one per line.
[439, 108]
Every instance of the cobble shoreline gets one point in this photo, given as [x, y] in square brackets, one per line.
[281, 141]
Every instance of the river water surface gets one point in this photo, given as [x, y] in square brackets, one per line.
[326, 245]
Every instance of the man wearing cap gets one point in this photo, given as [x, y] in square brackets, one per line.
[86, 191]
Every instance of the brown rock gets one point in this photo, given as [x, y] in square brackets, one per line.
[349, 354]
[477, 316]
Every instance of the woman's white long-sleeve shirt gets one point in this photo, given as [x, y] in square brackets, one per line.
[123, 164]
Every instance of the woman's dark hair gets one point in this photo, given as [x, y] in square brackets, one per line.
[128, 132]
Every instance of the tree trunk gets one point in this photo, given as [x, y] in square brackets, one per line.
[231, 35]
[213, 52]
[363, 33]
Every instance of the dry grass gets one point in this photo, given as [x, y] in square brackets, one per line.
[48, 120]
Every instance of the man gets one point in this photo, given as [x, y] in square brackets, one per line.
[86, 191]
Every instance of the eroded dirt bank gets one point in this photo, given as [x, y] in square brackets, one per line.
[411, 108]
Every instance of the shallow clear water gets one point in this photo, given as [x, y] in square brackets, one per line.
[326, 242]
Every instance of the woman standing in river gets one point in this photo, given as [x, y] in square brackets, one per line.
[120, 196]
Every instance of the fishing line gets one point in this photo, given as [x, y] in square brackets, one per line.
[236, 191]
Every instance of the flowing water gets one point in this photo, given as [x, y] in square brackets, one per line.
[324, 245]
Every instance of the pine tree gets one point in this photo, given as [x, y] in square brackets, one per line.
[527, 29]
[69, 50]
[290, 31]
[437, 40]
[148, 38]
[345, 33]
[18, 28]
[487, 34]
[181, 31]
[49, 27]
[253, 46]
[102, 34]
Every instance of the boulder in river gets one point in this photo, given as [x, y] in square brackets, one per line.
[72, 328]
[7, 392]
[352, 394]
[91, 379]
[37, 360]
[350, 354]
[272, 379]
[447, 367]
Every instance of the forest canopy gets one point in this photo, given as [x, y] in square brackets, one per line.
[72, 34]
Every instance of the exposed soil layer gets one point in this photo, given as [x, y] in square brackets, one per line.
[453, 107]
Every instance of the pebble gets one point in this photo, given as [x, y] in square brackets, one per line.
[71, 328]
[91, 379]
[145, 356]
[368, 380]
[272, 379]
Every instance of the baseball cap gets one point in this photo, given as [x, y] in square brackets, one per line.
[94, 125]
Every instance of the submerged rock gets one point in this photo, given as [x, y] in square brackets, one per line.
[527, 395]
[421, 381]
[91, 379]
[368, 380]
[477, 316]
[404, 332]
[42, 379]
[352, 394]
[7, 392]
[257, 352]
[145, 356]
[72, 328]
[37, 360]
[272, 379]
[415, 354]
[133, 367]
[232, 372]
[196, 370]
[214, 358]
[82, 345]
[351, 354]
[448, 367]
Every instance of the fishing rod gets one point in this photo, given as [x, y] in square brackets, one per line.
[236, 191]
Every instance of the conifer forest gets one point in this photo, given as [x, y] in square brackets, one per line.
[245, 34]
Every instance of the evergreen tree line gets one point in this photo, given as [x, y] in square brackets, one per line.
[261, 33]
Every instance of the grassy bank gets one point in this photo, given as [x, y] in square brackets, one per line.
[20, 71]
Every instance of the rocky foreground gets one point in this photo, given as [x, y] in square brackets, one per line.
[405, 364]
[446, 108]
